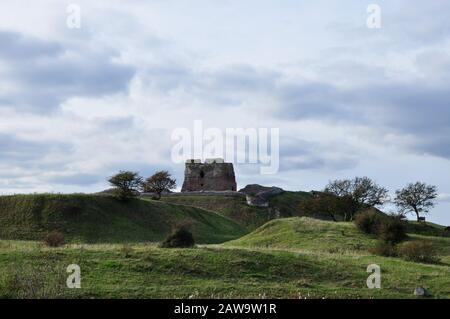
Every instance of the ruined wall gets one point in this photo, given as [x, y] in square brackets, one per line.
[209, 177]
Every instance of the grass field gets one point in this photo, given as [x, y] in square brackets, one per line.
[102, 219]
[286, 258]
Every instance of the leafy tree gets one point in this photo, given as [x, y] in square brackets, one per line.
[161, 181]
[325, 203]
[126, 184]
[363, 191]
[416, 198]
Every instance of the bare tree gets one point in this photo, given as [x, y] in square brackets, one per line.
[160, 181]
[416, 198]
[363, 191]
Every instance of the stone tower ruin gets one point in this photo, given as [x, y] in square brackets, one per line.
[213, 175]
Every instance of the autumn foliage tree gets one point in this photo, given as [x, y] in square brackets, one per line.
[158, 183]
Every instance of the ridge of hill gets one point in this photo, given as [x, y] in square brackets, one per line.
[101, 218]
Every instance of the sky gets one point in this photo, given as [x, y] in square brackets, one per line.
[79, 104]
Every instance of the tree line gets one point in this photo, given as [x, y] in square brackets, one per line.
[344, 197]
[347, 197]
[129, 184]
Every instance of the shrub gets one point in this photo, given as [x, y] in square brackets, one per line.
[369, 222]
[385, 249]
[54, 238]
[418, 251]
[392, 230]
[180, 237]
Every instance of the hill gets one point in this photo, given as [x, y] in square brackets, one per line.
[236, 208]
[309, 234]
[214, 271]
[101, 218]
[303, 233]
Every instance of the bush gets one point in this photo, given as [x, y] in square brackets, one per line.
[180, 237]
[418, 251]
[384, 249]
[369, 222]
[54, 239]
[392, 230]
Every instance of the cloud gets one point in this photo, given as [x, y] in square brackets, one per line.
[18, 151]
[45, 73]
[75, 179]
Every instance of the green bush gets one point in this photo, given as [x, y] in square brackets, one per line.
[418, 251]
[54, 239]
[392, 230]
[389, 229]
[369, 221]
[385, 249]
[180, 237]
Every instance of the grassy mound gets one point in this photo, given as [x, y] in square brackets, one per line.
[304, 233]
[236, 208]
[101, 218]
[233, 207]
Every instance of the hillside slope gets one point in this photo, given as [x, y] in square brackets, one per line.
[100, 218]
[236, 208]
[304, 233]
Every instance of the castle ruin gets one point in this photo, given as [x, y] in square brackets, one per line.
[212, 175]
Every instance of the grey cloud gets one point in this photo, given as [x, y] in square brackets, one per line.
[76, 179]
[16, 46]
[21, 151]
[298, 154]
[47, 74]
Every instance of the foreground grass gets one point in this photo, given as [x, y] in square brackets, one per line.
[30, 270]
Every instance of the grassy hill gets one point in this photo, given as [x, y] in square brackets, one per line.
[303, 233]
[236, 208]
[233, 207]
[101, 218]
[308, 259]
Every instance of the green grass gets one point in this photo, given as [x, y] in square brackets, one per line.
[236, 208]
[232, 207]
[284, 258]
[303, 233]
[308, 259]
[100, 218]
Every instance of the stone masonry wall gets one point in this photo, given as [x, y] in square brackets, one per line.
[209, 177]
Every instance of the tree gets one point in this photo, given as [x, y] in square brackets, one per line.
[127, 184]
[363, 191]
[161, 181]
[416, 198]
[325, 203]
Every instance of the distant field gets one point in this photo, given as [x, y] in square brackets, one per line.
[102, 219]
[309, 259]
